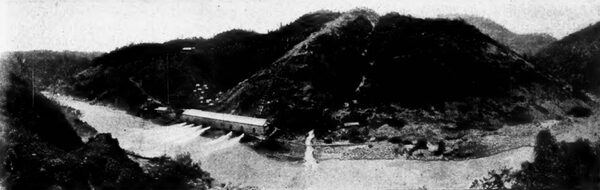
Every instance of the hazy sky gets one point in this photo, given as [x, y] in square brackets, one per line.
[103, 25]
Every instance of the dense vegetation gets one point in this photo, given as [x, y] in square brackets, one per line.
[575, 58]
[170, 75]
[328, 68]
[320, 72]
[49, 69]
[44, 152]
[445, 57]
[451, 67]
[556, 165]
[38, 115]
[402, 69]
[525, 44]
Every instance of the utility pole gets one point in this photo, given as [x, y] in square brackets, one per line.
[168, 99]
[32, 86]
[32, 83]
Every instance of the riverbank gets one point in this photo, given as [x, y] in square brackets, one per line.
[467, 145]
[421, 141]
[457, 145]
[228, 160]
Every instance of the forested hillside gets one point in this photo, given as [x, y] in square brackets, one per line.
[398, 68]
[575, 58]
[167, 73]
[525, 44]
[44, 152]
[49, 69]
[328, 68]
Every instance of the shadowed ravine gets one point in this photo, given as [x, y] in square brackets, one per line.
[229, 161]
[3, 124]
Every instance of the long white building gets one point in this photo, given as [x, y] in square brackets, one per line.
[250, 125]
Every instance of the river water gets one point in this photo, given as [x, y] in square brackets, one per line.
[229, 161]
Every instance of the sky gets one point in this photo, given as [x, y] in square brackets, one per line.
[103, 25]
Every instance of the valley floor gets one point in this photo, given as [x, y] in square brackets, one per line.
[227, 160]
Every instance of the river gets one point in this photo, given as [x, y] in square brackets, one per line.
[227, 160]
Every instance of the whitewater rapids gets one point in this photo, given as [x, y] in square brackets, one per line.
[229, 161]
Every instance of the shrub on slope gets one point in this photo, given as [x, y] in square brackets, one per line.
[317, 73]
[168, 74]
[50, 69]
[44, 152]
[432, 70]
[557, 165]
[451, 70]
[575, 58]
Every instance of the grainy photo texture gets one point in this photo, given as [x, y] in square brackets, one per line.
[299, 94]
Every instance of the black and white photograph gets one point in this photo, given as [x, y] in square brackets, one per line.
[299, 94]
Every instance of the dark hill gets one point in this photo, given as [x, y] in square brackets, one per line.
[575, 58]
[52, 70]
[35, 114]
[40, 150]
[220, 63]
[432, 70]
[527, 44]
[328, 68]
[318, 73]
[430, 61]
[456, 72]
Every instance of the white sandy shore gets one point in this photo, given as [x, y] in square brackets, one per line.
[229, 161]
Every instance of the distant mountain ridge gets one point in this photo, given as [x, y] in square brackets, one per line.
[576, 58]
[50, 69]
[404, 61]
[528, 44]
[220, 63]
[327, 68]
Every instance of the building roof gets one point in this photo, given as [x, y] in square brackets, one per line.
[161, 109]
[348, 124]
[225, 117]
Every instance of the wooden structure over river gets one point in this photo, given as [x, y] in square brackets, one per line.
[257, 127]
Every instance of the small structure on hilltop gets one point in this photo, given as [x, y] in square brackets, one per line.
[257, 127]
[188, 49]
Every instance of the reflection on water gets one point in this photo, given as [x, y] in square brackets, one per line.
[229, 161]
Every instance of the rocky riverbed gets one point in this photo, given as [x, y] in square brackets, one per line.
[370, 165]
[442, 144]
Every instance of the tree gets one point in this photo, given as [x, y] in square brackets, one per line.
[562, 165]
